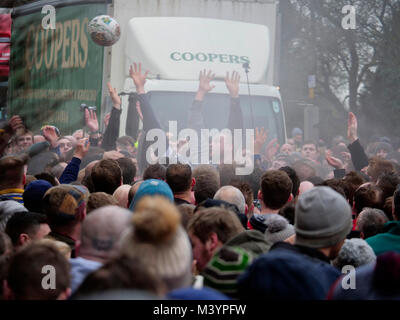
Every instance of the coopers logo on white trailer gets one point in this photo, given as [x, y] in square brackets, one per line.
[177, 48]
[209, 57]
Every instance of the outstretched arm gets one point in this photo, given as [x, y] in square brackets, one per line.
[112, 130]
[358, 155]
[196, 120]
[235, 113]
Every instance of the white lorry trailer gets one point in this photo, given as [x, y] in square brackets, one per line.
[54, 71]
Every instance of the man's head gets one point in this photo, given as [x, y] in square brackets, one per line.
[323, 220]
[28, 268]
[297, 135]
[155, 171]
[126, 143]
[179, 178]
[295, 179]
[378, 167]
[102, 231]
[368, 196]
[370, 222]
[152, 187]
[133, 191]
[97, 200]
[232, 195]
[287, 149]
[12, 172]
[207, 182]
[382, 149]
[122, 195]
[275, 191]
[65, 145]
[65, 205]
[27, 226]
[34, 193]
[310, 150]
[106, 176]
[248, 194]
[24, 140]
[128, 169]
[209, 229]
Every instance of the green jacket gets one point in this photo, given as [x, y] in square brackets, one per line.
[387, 241]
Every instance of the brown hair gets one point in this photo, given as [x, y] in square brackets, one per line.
[207, 182]
[276, 188]
[179, 177]
[215, 220]
[377, 167]
[106, 176]
[246, 189]
[11, 171]
[368, 196]
[25, 272]
[100, 199]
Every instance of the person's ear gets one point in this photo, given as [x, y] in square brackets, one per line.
[259, 195]
[193, 183]
[24, 179]
[290, 198]
[246, 209]
[212, 243]
[23, 238]
[362, 236]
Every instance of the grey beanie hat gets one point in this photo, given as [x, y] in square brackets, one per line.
[323, 218]
[354, 252]
[278, 229]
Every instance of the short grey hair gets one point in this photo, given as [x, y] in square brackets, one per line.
[232, 195]
[370, 222]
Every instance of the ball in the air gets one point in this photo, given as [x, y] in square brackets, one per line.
[104, 30]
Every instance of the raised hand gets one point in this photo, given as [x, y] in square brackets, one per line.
[116, 100]
[139, 110]
[232, 84]
[82, 148]
[113, 155]
[204, 84]
[139, 78]
[15, 123]
[332, 161]
[259, 139]
[272, 148]
[50, 134]
[91, 120]
[352, 126]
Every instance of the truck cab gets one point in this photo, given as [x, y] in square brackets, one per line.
[176, 49]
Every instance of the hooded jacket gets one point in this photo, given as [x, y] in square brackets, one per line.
[389, 240]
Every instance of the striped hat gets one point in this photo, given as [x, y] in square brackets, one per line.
[225, 267]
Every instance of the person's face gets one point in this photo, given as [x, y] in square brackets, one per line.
[287, 149]
[277, 164]
[382, 153]
[201, 253]
[24, 141]
[43, 231]
[65, 145]
[298, 138]
[309, 151]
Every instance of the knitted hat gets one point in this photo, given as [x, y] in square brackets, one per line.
[323, 218]
[160, 242]
[152, 187]
[60, 203]
[354, 252]
[225, 267]
[7, 209]
[278, 229]
[297, 132]
[34, 193]
[258, 222]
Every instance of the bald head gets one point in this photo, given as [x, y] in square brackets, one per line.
[101, 232]
[232, 195]
[305, 186]
[121, 194]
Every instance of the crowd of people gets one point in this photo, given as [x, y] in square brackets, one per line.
[110, 225]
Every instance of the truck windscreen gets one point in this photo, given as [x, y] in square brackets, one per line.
[174, 106]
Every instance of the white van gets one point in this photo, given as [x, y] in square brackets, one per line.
[175, 49]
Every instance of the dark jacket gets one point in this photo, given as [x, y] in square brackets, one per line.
[358, 155]
[71, 171]
[288, 272]
[112, 131]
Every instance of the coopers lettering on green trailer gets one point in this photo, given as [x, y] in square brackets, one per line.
[209, 57]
